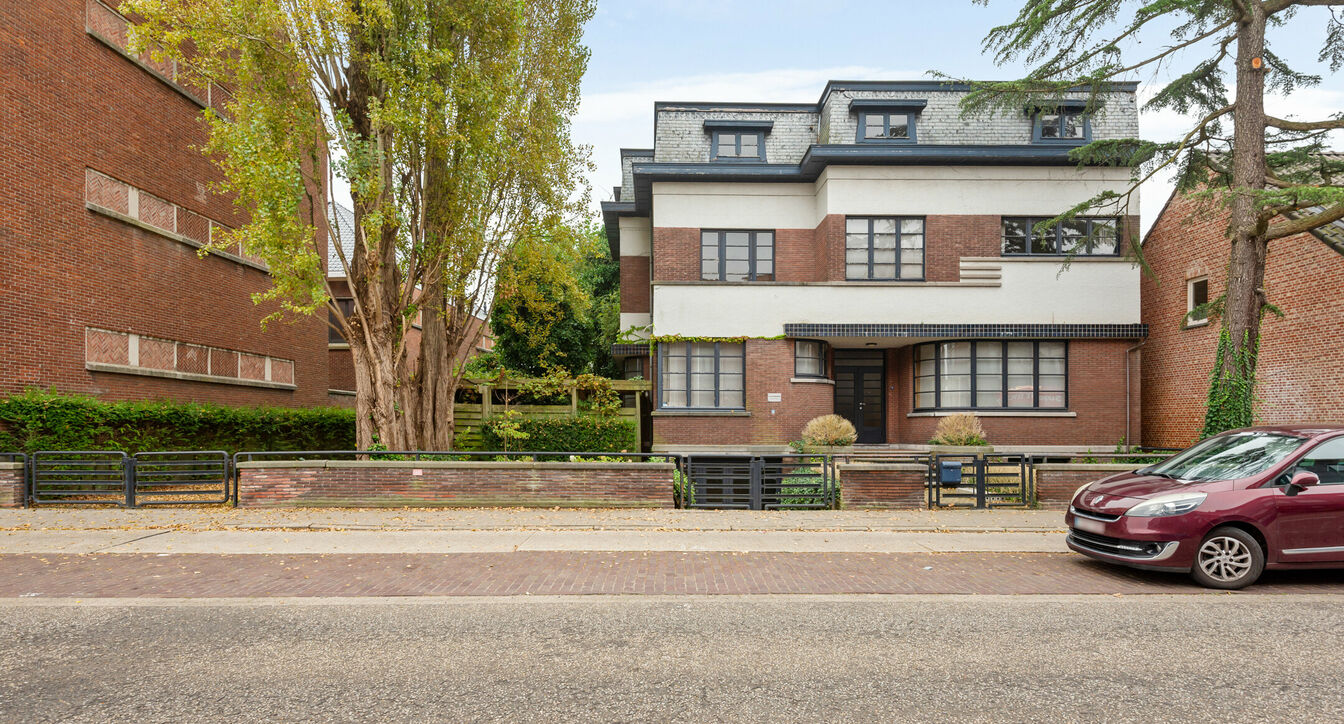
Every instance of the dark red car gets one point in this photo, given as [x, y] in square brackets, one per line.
[1223, 510]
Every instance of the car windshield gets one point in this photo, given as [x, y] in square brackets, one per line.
[1228, 457]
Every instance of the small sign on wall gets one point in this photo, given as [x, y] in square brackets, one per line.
[773, 397]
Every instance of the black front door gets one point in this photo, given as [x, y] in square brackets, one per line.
[860, 380]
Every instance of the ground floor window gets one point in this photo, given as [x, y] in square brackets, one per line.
[982, 374]
[701, 376]
[809, 358]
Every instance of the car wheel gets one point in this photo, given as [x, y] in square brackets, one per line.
[1229, 558]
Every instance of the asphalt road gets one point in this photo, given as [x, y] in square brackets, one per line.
[688, 658]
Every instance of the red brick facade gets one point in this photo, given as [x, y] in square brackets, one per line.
[1300, 367]
[1056, 483]
[106, 203]
[455, 484]
[1095, 416]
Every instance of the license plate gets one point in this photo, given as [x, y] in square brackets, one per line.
[1088, 525]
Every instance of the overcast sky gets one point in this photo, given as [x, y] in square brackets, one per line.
[785, 50]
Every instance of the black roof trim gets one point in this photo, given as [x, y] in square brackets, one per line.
[724, 105]
[893, 104]
[612, 211]
[715, 124]
[636, 153]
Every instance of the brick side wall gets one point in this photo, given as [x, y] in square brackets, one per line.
[1055, 484]
[67, 267]
[464, 484]
[1300, 367]
[894, 486]
[635, 291]
[341, 366]
[11, 485]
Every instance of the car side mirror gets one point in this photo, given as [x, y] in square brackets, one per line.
[1302, 480]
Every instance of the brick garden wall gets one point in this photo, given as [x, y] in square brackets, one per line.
[11, 485]
[895, 486]
[85, 106]
[1056, 483]
[455, 484]
[1300, 366]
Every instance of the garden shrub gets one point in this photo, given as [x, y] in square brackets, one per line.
[829, 430]
[50, 421]
[960, 429]
[585, 433]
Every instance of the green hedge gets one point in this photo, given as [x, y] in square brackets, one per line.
[568, 434]
[47, 421]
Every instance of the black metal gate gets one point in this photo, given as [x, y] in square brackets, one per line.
[980, 481]
[103, 477]
[180, 478]
[774, 482]
[80, 477]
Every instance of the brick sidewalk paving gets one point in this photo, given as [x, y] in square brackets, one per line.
[563, 573]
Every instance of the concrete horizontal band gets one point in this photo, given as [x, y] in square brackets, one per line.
[811, 381]
[450, 465]
[883, 467]
[185, 376]
[986, 331]
[346, 393]
[700, 413]
[994, 413]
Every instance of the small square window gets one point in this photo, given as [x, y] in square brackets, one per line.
[1197, 298]
[809, 358]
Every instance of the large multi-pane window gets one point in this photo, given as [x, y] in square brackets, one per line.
[1089, 237]
[884, 248]
[737, 256]
[984, 374]
[738, 145]
[701, 376]
[809, 358]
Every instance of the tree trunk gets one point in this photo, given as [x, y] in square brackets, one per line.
[1245, 298]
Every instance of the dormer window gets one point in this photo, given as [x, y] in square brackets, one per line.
[1064, 123]
[737, 140]
[886, 120]
[743, 145]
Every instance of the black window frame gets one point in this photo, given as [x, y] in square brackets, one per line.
[664, 349]
[900, 265]
[716, 139]
[1058, 231]
[823, 350]
[753, 273]
[1003, 372]
[1083, 119]
[640, 364]
[347, 307]
[887, 115]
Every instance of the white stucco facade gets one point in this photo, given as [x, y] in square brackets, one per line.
[1030, 291]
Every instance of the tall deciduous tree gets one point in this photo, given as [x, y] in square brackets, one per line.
[1260, 169]
[450, 121]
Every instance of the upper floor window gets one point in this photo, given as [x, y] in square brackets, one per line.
[347, 307]
[1089, 237]
[1196, 298]
[886, 119]
[701, 376]
[1061, 124]
[884, 248]
[738, 145]
[991, 374]
[886, 126]
[737, 256]
[809, 358]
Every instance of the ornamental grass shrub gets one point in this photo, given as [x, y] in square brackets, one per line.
[960, 429]
[831, 430]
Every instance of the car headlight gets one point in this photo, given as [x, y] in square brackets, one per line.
[1173, 504]
[1077, 492]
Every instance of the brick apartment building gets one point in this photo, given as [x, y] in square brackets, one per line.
[872, 255]
[107, 206]
[1301, 364]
